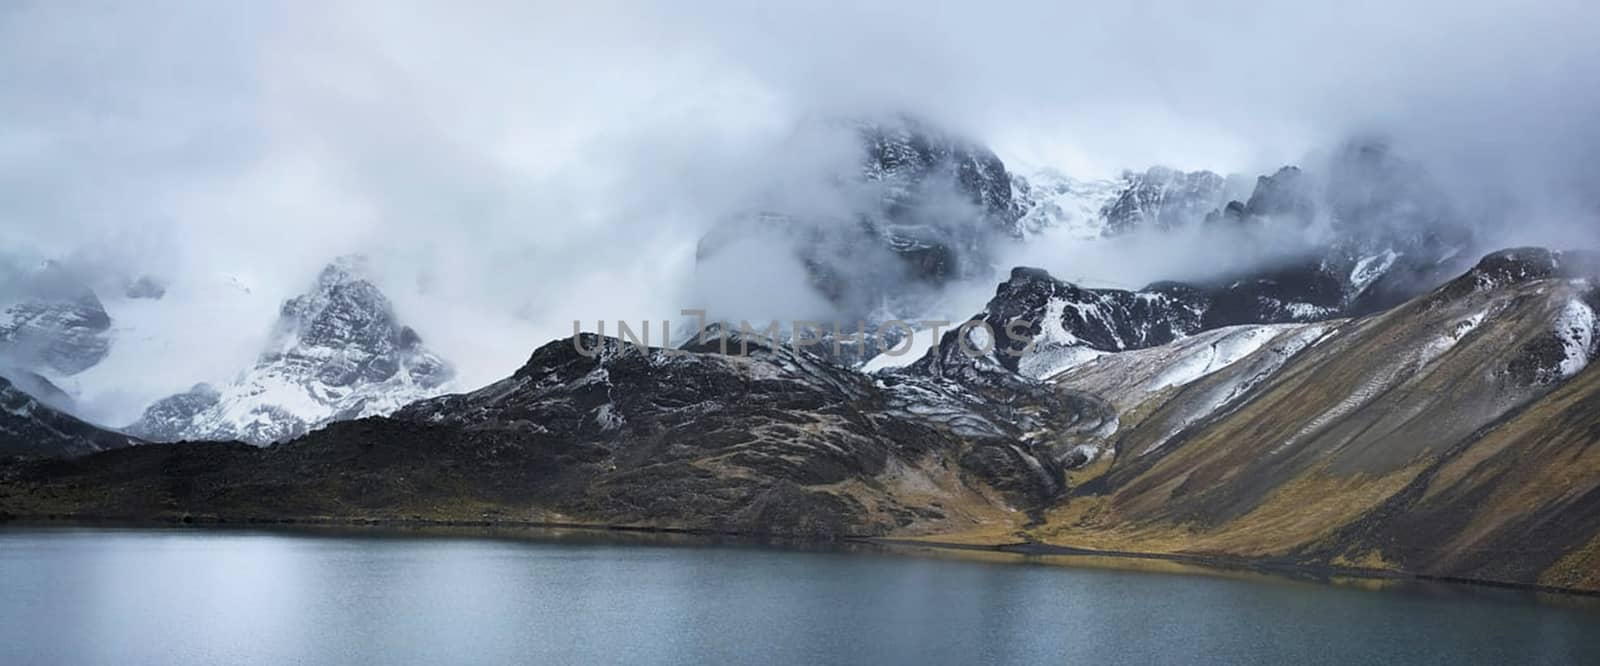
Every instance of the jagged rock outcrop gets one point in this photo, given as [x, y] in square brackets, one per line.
[338, 352]
[30, 427]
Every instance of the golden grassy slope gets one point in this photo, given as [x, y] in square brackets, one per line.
[1401, 442]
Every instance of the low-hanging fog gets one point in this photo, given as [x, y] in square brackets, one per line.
[511, 167]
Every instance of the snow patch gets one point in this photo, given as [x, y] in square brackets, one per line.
[1261, 366]
[1063, 207]
[1369, 269]
[1575, 326]
[1233, 345]
[1047, 363]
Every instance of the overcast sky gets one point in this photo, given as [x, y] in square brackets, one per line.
[513, 166]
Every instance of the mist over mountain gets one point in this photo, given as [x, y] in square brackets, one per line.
[225, 153]
[50, 321]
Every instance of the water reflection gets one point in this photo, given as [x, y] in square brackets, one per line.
[201, 596]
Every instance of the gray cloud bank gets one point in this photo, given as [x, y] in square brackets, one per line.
[514, 166]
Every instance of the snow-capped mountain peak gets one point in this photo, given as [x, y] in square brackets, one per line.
[337, 352]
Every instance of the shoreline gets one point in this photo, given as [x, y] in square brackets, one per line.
[1267, 566]
[1217, 563]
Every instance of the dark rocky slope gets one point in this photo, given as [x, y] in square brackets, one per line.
[31, 427]
[773, 442]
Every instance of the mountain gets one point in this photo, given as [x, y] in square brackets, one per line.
[337, 352]
[1390, 231]
[39, 387]
[53, 324]
[1052, 201]
[30, 427]
[592, 430]
[1363, 231]
[924, 208]
[915, 164]
[1365, 222]
[1450, 436]
[1164, 199]
[1055, 325]
[1393, 236]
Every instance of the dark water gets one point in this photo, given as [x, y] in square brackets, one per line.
[88, 596]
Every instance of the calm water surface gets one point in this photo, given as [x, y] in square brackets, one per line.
[112, 596]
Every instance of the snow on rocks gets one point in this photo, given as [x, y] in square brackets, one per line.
[1239, 357]
[337, 352]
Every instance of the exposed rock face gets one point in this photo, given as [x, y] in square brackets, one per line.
[1164, 199]
[57, 325]
[29, 427]
[338, 352]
